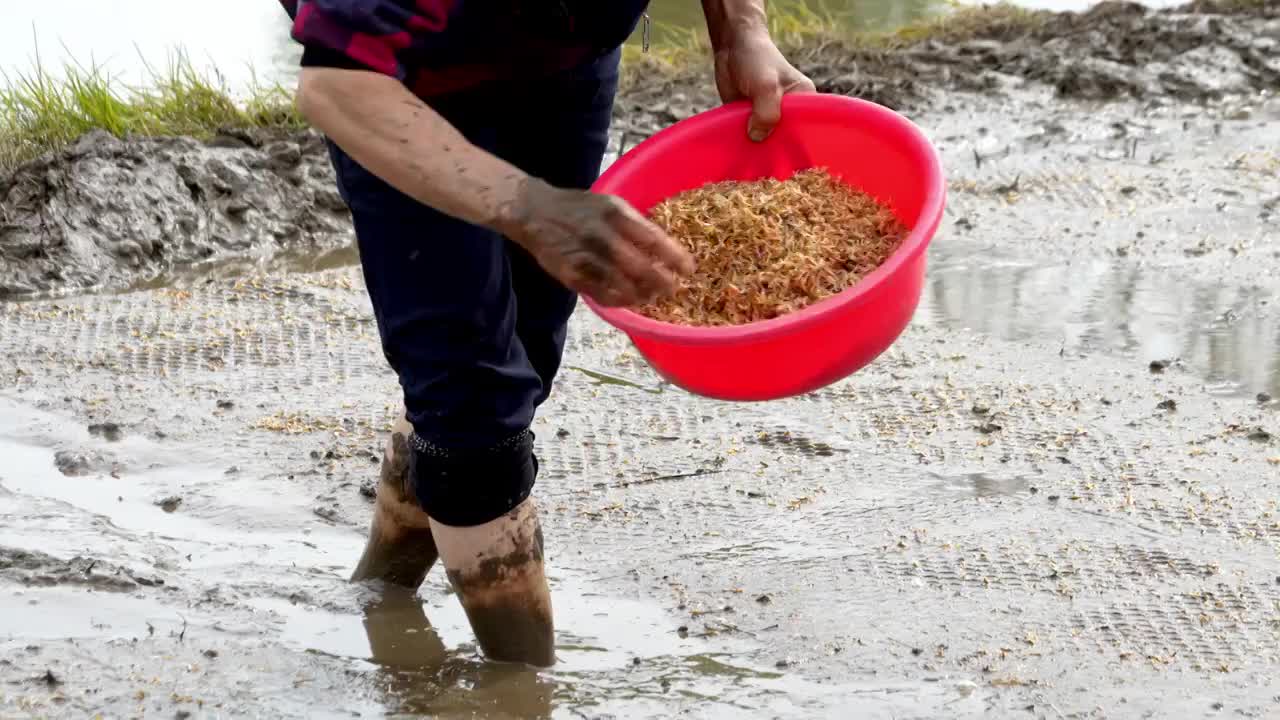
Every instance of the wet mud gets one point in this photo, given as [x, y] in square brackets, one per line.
[1201, 52]
[107, 213]
[994, 519]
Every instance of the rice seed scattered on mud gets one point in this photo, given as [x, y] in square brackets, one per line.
[770, 247]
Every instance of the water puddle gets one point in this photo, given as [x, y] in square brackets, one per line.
[590, 636]
[287, 261]
[208, 528]
[242, 564]
[616, 657]
[1230, 336]
[60, 613]
[156, 501]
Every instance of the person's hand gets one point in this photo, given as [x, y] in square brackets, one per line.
[750, 66]
[595, 244]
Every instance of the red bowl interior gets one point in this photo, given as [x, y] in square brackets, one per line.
[864, 144]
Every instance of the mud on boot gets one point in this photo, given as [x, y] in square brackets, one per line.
[401, 549]
[498, 573]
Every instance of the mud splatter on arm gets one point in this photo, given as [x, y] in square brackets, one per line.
[402, 140]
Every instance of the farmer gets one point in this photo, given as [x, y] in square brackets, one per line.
[464, 135]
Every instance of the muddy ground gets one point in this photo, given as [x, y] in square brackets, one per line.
[1055, 497]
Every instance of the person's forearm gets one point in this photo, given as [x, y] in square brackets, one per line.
[396, 136]
[728, 19]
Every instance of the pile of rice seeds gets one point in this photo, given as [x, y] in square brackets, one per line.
[770, 247]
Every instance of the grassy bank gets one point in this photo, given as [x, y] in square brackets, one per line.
[42, 111]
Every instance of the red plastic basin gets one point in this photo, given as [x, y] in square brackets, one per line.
[865, 145]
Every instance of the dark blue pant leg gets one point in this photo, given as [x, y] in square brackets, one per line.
[563, 143]
[442, 297]
[473, 328]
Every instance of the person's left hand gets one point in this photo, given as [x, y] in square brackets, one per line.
[751, 67]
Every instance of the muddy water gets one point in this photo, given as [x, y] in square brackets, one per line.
[1229, 336]
[241, 566]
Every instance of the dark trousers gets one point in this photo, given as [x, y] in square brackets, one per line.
[470, 323]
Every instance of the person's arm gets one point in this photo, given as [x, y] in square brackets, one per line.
[747, 63]
[729, 19]
[352, 88]
[399, 138]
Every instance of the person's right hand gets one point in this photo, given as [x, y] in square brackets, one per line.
[595, 244]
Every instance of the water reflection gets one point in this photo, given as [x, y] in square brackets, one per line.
[980, 485]
[418, 675]
[422, 667]
[1229, 335]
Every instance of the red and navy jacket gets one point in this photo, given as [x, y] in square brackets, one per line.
[439, 46]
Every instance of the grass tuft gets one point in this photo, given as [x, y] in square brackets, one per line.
[41, 112]
[999, 21]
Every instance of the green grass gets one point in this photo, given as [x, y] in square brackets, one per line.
[41, 111]
[792, 23]
[966, 23]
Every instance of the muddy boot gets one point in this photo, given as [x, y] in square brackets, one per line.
[400, 549]
[497, 570]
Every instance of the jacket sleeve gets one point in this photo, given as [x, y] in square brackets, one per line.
[372, 35]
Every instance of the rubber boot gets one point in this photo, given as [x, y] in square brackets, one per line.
[401, 549]
[498, 573]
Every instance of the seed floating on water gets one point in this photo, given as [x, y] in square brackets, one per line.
[771, 247]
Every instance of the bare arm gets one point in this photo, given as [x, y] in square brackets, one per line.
[727, 19]
[398, 137]
[595, 244]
